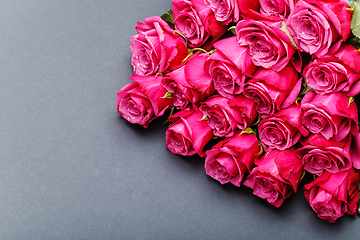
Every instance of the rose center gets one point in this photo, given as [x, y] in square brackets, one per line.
[314, 121]
[133, 110]
[324, 209]
[320, 162]
[142, 61]
[179, 100]
[308, 31]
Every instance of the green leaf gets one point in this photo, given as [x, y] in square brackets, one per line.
[182, 35]
[283, 27]
[167, 95]
[305, 88]
[261, 149]
[251, 130]
[351, 99]
[355, 22]
[355, 41]
[169, 18]
[247, 130]
[257, 121]
[204, 118]
[172, 111]
[232, 30]
[159, 74]
[189, 54]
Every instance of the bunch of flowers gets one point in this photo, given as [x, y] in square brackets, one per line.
[273, 81]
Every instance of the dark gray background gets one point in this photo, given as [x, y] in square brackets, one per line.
[72, 168]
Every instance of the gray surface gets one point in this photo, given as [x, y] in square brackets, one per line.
[72, 168]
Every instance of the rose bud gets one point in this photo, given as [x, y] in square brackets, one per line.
[188, 134]
[331, 195]
[281, 8]
[335, 72]
[196, 21]
[224, 115]
[331, 115]
[228, 160]
[273, 90]
[141, 101]
[268, 45]
[315, 25]
[228, 11]
[156, 47]
[229, 67]
[276, 176]
[281, 130]
[319, 155]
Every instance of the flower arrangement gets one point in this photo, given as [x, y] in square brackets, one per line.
[273, 82]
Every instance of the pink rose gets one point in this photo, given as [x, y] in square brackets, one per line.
[315, 25]
[273, 90]
[224, 115]
[228, 160]
[156, 47]
[268, 45]
[196, 21]
[276, 176]
[229, 67]
[281, 8]
[319, 155]
[197, 77]
[141, 101]
[182, 93]
[335, 72]
[281, 130]
[227, 11]
[189, 84]
[188, 134]
[331, 195]
[331, 115]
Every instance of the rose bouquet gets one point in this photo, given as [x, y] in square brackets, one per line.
[262, 90]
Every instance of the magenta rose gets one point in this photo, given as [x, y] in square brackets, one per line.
[156, 47]
[268, 45]
[276, 176]
[197, 77]
[319, 154]
[188, 134]
[224, 115]
[273, 90]
[281, 8]
[141, 101]
[281, 130]
[228, 160]
[316, 25]
[189, 84]
[229, 67]
[182, 93]
[335, 72]
[228, 11]
[196, 21]
[331, 115]
[331, 195]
